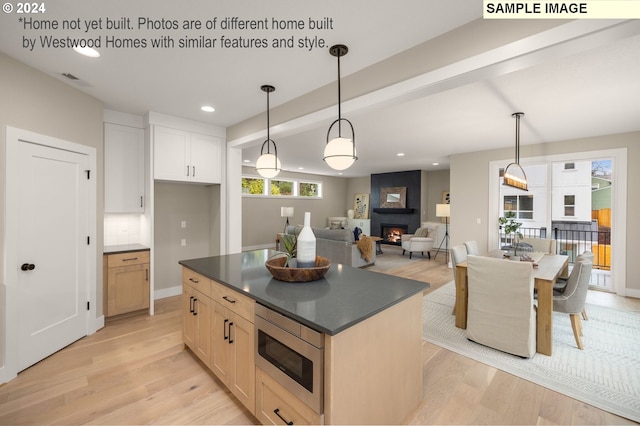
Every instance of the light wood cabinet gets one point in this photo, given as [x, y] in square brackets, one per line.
[127, 285]
[197, 312]
[275, 405]
[221, 333]
[233, 343]
[186, 157]
[123, 169]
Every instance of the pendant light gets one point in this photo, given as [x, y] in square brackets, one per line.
[340, 152]
[268, 164]
[514, 174]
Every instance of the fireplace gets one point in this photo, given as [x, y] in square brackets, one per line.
[391, 233]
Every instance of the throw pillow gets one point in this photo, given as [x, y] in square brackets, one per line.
[421, 232]
[336, 225]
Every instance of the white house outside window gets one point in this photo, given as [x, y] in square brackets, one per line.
[522, 205]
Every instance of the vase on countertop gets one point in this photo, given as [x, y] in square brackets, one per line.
[306, 244]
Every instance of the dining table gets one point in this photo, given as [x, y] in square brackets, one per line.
[546, 270]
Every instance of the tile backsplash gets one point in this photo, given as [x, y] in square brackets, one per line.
[122, 229]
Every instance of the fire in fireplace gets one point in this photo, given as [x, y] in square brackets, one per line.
[391, 232]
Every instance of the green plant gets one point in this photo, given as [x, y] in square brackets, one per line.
[511, 226]
[290, 244]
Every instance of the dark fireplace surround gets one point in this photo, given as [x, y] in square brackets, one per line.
[402, 220]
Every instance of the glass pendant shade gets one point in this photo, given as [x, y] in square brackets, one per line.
[268, 165]
[340, 153]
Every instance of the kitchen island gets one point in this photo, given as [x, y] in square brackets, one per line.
[371, 323]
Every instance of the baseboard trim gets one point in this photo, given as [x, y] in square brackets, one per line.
[167, 292]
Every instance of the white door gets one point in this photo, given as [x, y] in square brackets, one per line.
[51, 230]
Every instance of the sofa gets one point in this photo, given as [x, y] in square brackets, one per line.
[338, 245]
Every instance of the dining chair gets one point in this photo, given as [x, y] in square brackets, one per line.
[572, 301]
[501, 313]
[458, 255]
[541, 245]
[561, 283]
[472, 247]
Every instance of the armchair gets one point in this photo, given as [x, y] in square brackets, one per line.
[418, 242]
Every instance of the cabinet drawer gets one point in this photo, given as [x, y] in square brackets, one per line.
[129, 258]
[197, 281]
[275, 405]
[234, 301]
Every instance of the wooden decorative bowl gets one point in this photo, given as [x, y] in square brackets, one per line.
[297, 275]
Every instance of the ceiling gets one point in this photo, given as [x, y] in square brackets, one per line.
[578, 82]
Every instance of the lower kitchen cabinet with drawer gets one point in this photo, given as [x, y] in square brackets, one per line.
[275, 405]
[126, 282]
[218, 328]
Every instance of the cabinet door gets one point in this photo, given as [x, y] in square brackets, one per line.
[123, 169]
[202, 313]
[127, 289]
[171, 154]
[220, 363]
[188, 319]
[206, 159]
[241, 347]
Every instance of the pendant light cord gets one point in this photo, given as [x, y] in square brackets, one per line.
[339, 102]
[268, 125]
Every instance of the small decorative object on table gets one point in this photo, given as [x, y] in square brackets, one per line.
[276, 265]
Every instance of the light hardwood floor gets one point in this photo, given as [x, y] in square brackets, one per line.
[137, 371]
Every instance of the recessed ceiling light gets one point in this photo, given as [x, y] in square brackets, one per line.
[247, 161]
[87, 51]
[207, 108]
[400, 154]
[300, 168]
[435, 164]
[340, 173]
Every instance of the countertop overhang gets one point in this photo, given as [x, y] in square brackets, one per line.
[343, 298]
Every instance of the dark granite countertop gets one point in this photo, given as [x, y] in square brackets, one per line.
[343, 298]
[124, 248]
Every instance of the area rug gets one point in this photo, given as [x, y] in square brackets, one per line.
[606, 374]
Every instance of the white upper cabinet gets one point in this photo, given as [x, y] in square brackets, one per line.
[186, 157]
[123, 169]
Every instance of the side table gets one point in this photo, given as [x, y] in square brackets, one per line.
[377, 240]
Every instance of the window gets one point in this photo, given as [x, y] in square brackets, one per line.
[253, 186]
[259, 186]
[282, 187]
[309, 189]
[569, 205]
[522, 205]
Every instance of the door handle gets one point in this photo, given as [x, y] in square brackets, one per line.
[27, 267]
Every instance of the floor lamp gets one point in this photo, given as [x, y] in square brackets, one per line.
[286, 212]
[444, 210]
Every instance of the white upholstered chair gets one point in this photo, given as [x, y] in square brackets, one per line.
[561, 284]
[472, 247]
[541, 245]
[421, 241]
[501, 312]
[572, 301]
